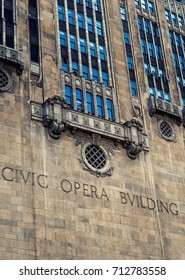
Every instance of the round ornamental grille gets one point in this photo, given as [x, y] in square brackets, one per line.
[166, 130]
[95, 156]
[5, 81]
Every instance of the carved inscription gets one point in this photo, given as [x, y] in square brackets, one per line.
[88, 190]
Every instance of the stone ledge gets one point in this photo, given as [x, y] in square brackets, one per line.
[56, 115]
[13, 57]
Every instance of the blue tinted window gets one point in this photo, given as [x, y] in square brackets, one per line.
[73, 42]
[61, 13]
[68, 95]
[95, 74]
[83, 45]
[92, 49]
[105, 78]
[99, 27]
[90, 24]
[71, 17]
[90, 103]
[110, 110]
[126, 38]
[133, 87]
[79, 99]
[100, 107]
[63, 40]
[65, 66]
[80, 20]
[75, 67]
[85, 70]
[102, 53]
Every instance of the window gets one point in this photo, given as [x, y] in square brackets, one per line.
[179, 80]
[92, 49]
[174, 18]
[97, 5]
[65, 66]
[63, 41]
[80, 20]
[102, 52]
[130, 62]
[167, 13]
[84, 31]
[85, 71]
[171, 37]
[61, 13]
[33, 31]
[68, 95]
[182, 62]
[152, 91]
[175, 60]
[151, 7]
[133, 87]
[140, 23]
[154, 71]
[79, 100]
[151, 49]
[71, 17]
[88, 3]
[183, 41]
[90, 24]
[123, 13]
[143, 46]
[158, 52]
[167, 96]
[90, 103]
[162, 73]
[181, 21]
[83, 47]
[155, 32]
[99, 27]
[177, 40]
[147, 69]
[137, 3]
[105, 78]
[126, 38]
[75, 67]
[100, 107]
[95, 74]
[110, 110]
[160, 94]
[73, 42]
[144, 4]
[147, 26]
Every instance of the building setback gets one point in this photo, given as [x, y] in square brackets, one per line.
[92, 138]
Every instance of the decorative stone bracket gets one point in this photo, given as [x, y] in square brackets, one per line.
[57, 115]
[156, 105]
[13, 57]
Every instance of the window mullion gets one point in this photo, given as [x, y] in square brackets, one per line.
[87, 40]
[78, 39]
[68, 36]
[106, 32]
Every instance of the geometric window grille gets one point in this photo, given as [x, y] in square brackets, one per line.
[5, 81]
[95, 156]
[166, 130]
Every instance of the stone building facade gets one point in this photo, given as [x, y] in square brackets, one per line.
[92, 155]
